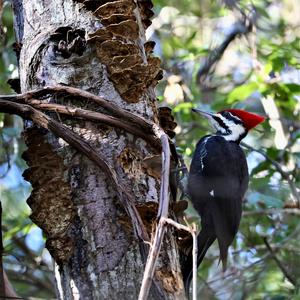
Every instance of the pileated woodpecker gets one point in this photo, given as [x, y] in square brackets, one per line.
[217, 182]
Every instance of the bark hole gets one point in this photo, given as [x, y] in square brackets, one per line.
[69, 41]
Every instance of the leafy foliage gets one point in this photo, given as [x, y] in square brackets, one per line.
[25, 260]
[259, 72]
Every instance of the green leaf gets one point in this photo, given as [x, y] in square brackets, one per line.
[242, 92]
[184, 107]
[264, 165]
[293, 87]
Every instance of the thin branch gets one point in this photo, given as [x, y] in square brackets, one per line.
[151, 261]
[285, 175]
[95, 116]
[30, 278]
[239, 28]
[145, 128]
[62, 131]
[195, 254]
[230, 274]
[193, 231]
[273, 162]
[2, 284]
[292, 211]
[163, 210]
[75, 92]
[279, 264]
[5, 147]
[33, 264]
[262, 258]
[276, 247]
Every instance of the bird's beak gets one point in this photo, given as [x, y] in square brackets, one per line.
[205, 114]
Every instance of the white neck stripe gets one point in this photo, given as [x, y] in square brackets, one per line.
[235, 131]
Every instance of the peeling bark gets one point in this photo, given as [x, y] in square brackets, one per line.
[98, 46]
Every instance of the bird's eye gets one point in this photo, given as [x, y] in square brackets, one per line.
[226, 114]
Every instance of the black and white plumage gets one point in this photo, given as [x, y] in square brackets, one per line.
[218, 181]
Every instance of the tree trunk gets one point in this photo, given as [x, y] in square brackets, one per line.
[98, 46]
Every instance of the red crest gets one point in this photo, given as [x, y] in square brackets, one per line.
[250, 120]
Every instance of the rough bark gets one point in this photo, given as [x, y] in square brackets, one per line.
[97, 46]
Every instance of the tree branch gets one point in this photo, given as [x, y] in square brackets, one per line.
[285, 175]
[8, 161]
[163, 208]
[2, 284]
[96, 117]
[163, 220]
[75, 92]
[6, 290]
[279, 264]
[162, 213]
[239, 28]
[74, 140]
[292, 211]
[193, 231]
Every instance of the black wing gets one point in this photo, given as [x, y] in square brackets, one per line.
[219, 179]
[217, 183]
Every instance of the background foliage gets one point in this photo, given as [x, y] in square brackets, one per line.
[242, 54]
[26, 262]
[216, 54]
